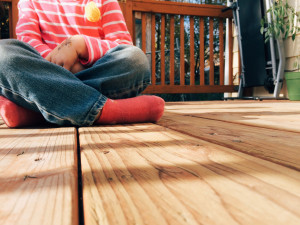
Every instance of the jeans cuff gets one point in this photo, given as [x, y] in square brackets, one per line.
[93, 113]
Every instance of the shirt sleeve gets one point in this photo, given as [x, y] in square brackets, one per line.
[114, 29]
[28, 29]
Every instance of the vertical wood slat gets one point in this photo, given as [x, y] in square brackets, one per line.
[10, 17]
[15, 16]
[211, 51]
[202, 46]
[129, 18]
[221, 53]
[230, 49]
[162, 48]
[182, 71]
[153, 54]
[144, 32]
[239, 64]
[192, 52]
[133, 34]
[172, 53]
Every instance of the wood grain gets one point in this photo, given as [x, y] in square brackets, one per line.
[38, 176]
[279, 115]
[281, 147]
[147, 174]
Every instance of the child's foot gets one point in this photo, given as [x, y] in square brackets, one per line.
[17, 116]
[139, 109]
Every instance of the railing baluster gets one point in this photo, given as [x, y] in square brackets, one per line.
[221, 52]
[153, 54]
[230, 46]
[202, 49]
[132, 31]
[162, 48]
[192, 52]
[172, 53]
[144, 32]
[182, 71]
[211, 51]
[10, 18]
[239, 65]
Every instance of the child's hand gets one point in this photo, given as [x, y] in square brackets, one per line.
[68, 52]
[77, 67]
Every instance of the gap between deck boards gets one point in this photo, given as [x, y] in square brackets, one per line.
[80, 190]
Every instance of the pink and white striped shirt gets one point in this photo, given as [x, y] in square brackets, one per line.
[44, 24]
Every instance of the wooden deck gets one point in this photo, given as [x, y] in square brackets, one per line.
[235, 162]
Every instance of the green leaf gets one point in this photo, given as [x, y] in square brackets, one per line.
[286, 35]
[262, 30]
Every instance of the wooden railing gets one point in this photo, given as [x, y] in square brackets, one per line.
[176, 79]
[186, 82]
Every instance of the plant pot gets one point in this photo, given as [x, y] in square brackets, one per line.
[293, 85]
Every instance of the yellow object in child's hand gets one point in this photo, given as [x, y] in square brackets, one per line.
[92, 12]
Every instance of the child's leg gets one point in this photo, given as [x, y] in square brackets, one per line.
[122, 74]
[33, 83]
[38, 85]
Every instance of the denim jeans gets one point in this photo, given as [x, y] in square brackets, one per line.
[64, 98]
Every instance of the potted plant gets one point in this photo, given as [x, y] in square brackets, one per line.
[284, 23]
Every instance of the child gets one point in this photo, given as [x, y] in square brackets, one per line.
[69, 69]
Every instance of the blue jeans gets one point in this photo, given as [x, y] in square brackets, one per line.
[64, 98]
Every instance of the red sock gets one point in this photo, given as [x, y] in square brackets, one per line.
[17, 116]
[139, 109]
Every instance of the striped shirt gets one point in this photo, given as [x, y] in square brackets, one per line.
[44, 24]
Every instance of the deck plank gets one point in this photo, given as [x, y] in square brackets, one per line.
[38, 176]
[256, 113]
[279, 146]
[148, 174]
